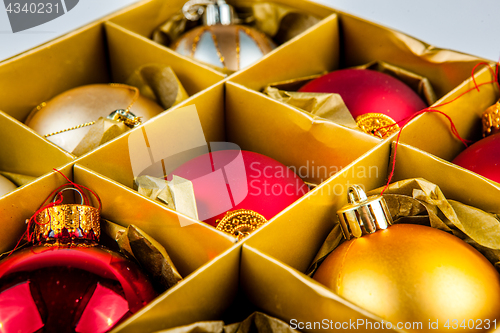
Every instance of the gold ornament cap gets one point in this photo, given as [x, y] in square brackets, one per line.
[240, 223]
[377, 124]
[67, 224]
[363, 215]
[491, 120]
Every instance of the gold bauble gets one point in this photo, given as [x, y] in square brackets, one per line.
[6, 186]
[230, 47]
[412, 273]
[85, 104]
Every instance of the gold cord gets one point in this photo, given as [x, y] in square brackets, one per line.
[70, 129]
[127, 110]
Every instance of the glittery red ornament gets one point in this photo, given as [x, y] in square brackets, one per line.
[228, 180]
[483, 157]
[368, 91]
[66, 282]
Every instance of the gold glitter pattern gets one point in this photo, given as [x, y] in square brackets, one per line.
[219, 53]
[67, 224]
[377, 124]
[241, 223]
[491, 120]
[238, 49]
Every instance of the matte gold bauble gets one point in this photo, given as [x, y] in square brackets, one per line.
[6, 186]
[85, 104]
[412, 273]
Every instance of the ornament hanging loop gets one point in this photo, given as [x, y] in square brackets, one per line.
[363, 215]
[356, 194]
[213, 11]
[71, 189]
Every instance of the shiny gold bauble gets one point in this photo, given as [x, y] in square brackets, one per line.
[230, 47]
[85, 104]
[411, 273]
[6, 186]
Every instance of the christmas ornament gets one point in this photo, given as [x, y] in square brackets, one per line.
[221, 42]
[491, 120]
[65, 120]
[6, 186]
[374, 99]
[483, 157]
[251, 188]
[66, 282]
[408, 273]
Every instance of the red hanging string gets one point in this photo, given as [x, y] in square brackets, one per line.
[432, 109]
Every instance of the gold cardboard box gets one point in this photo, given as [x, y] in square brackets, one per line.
[224, 278]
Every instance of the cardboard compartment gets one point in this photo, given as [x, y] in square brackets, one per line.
[25, 153]
[309, 221]
[144, 18]
[19, 205]
[243, 117]
[349, 41]
[465, 106]
[310, 307]
[204, 295]
[271, 269]
[239, 116]
[343, 40]
[86, 56]
[189, 243]
[206, 258]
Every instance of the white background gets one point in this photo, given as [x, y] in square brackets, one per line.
[469, 26]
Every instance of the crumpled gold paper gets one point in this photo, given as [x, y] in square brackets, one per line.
[99, 133]
[177, 194]
[151, 255]
[331, 107]
[159, 83]
[278, 21]
[418, 201]
[257, 322]
[17, 178]
[326, 106]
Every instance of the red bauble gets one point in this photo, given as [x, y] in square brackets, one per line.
[66, 282]
[72, 289]
[228, 180]
[368, 91]
[483, 157]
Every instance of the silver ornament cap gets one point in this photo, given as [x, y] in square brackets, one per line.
[214, 12]
[363, 215]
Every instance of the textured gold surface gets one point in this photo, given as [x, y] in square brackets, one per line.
[491, 120]
[377, 124]
[53, 222]
[241, 222]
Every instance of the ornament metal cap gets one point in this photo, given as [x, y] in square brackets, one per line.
[363, 215]
[67, 224]
[491, 120]
[213, 11]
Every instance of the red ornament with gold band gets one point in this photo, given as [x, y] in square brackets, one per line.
[66, 282]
